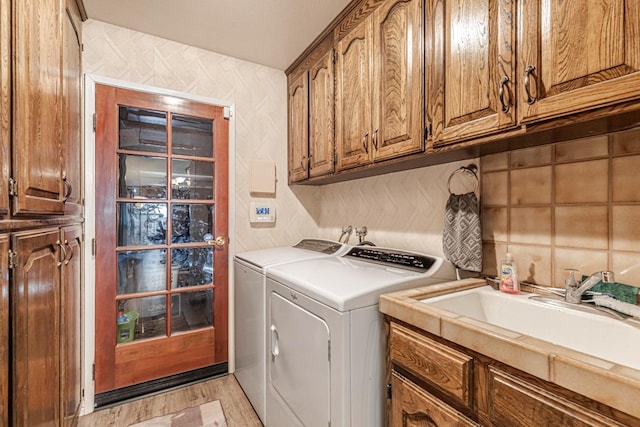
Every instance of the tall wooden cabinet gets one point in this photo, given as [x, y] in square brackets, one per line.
[40, 212]
[380, 92]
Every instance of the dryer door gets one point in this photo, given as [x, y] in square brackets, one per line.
[299, 362]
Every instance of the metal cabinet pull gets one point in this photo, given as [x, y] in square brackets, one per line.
[302, 162]
[375, 139]
[503, 82]
[364, 143]
[71, 253]
[67, 187]
[527, 83]
[64, 253]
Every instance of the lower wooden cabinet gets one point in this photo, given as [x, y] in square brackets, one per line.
[45, 330]
[429, 378]
[413, 406]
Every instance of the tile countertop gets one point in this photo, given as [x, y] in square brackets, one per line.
[613, 385]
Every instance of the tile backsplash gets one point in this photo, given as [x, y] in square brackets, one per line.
[572, 204]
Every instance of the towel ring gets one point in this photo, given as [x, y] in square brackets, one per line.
[471, 170]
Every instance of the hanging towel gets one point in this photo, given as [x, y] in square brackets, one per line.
[462, 234]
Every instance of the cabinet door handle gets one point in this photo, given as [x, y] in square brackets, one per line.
[66, 261]
[68, 189]
[527, 83]
[302, 161]
[375, 139]
[364, 143]
[64, 253]
[503, 83]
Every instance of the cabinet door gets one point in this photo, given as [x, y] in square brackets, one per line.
[353, 97]
[517, 403]
[37, 109]
[5, 104]
[398, 85]
[4, 330]
[574, 56]
[298, 128]
[36, 328]
[470, 62]
[70, 362]
[413, 407]
[321, 116]
[72, 166]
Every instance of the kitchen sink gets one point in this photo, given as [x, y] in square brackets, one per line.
[577, 328]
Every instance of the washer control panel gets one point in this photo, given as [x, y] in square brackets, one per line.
[393, 258]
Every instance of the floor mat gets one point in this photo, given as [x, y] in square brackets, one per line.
[206, 415]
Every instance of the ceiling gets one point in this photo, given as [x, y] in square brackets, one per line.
[268, 32]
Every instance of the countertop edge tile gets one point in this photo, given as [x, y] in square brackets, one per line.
[614, 389]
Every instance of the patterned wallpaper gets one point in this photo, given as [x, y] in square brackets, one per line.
[259, 94]
[403, 209]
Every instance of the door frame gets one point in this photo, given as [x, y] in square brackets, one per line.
[88, 275]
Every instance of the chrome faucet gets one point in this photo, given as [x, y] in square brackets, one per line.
[575, 288]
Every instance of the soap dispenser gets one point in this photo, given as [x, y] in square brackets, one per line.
[509, 275]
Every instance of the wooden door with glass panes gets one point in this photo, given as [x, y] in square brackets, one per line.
[161, 232]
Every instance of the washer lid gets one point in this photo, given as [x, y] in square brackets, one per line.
[305, 249]
[345, 283]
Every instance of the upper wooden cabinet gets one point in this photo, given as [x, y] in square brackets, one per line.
[575, 56]
[398, 87]
[470, 68]
[46, 89]
[311, 116]
[461, 73]
[298, 104]
[321, 116]
[379, 96]
[353, 96]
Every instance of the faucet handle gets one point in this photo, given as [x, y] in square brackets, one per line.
[607, 277]
[571, 282]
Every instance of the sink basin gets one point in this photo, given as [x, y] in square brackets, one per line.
[593, 334]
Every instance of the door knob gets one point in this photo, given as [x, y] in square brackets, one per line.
[218, 241]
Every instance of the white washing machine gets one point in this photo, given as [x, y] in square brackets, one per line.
[249, 305]
[325, 353]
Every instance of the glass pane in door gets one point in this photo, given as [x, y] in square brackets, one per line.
[142, 224]
[196, 311]
[192, 266]
[142, 271]
[141, 177]
[142, 130]
[191, 179]
[192, 136]
[191, 223]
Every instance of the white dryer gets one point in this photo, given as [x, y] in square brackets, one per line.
[249, 305]
[325, 353]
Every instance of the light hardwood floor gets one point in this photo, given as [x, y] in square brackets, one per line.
[236, 407]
